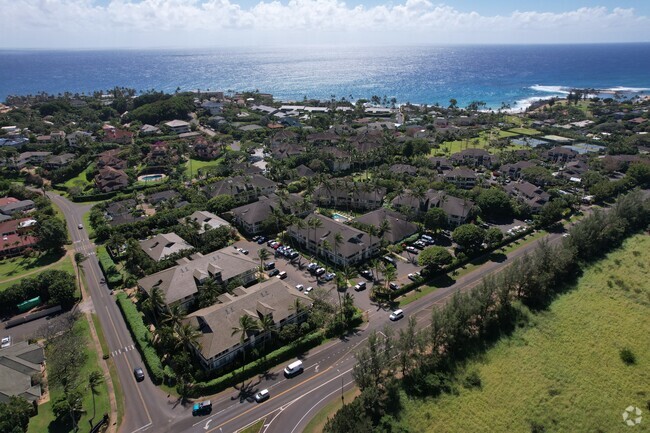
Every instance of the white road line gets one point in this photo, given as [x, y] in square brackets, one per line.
[317, 403]
[146, 426]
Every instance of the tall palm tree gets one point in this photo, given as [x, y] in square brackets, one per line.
[263, 255]
[267, 326]
[187, 335]
[315, 223]
[247, 325]
[174, 316]
[155, 303]
[95, 378]
[338, 241]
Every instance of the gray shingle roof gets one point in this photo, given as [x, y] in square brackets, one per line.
[163, 245]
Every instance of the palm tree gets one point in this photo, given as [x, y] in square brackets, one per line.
[247, 325]
[155, 303]
[187, 335]
[263, 254]
[315, 223]
[95, 379]
[338, 241]
[390, 273]
[174, 316]
[267, 326]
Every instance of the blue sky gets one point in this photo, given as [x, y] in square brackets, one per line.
[54, 24]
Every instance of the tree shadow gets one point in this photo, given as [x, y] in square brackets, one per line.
[498, 257]
[442, 281]
[268, 375]
[246, 390]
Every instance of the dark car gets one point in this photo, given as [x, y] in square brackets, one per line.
[274, 272]
[269, 265]
[261, 240]
[367, 274]
[139, 374]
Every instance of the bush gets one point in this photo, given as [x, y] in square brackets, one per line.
[259, 366]
[142, 337]
[473, 380]
[113, 276]
[627, 356]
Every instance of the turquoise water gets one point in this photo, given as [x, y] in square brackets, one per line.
[340, 218]
[150, 177]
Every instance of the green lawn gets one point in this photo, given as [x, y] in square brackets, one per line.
[525, 131]
[45, 422]
[197, 165]
[12, 268]
[87, 226]
[480, 142]
[318, 421]
[256, 427]
[117, 387]
[563, 372]
[80, 179]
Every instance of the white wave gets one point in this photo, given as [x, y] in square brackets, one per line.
[522, 105]
[627, 89]
[551, 89]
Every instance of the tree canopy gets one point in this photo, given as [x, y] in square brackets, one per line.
[433, 258]
[469, 236]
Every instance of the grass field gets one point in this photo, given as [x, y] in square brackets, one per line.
[562, 373]
[481, 142]
[320, 419]
[45, 421]
[197, 165]
[117, 387]
[13, 268]
[524, 131]
[256, 427]
[79, 180]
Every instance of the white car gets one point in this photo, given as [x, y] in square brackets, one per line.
[396, 315]
[6, 342]
[308, 289]
[262, 395]
[300, 287]
[80, 226]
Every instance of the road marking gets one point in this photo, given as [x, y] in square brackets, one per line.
[316, 369]
[317, 403]
[146, 426]
[207, 425]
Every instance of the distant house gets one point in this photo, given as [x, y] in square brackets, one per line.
[351, 195]
[77, 138]
[119, 136]
[207, 150]
[398, 226]
[121, 212]
[243, 189]
[337, 159]
[403, 169]
[180, 284]
[162, 196]
[560, 155]
[15, 236]
[110, 179]
[54, 137]
[58, 161]
[530, 194]
[286, 150]
[441, 164]
[206, 220]
[19, 364]
[17, 206]
[251, 217]
[111, 158]
[513, 171]
[474, 158]
[147, 130]
[178, 126]
[164, 245]
[356, 245]
[457, 209]
[274, 298]
[303, 171]
[30, 158]
[462, 178]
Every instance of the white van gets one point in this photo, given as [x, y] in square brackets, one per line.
[396, 315]
[293, 369]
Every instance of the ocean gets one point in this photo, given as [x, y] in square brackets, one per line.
[512, 74]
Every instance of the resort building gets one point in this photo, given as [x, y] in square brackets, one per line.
[164, 245]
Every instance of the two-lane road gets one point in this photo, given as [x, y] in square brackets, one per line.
[145, 404]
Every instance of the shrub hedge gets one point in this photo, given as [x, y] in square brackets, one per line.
[259, 366]
[113, 276]
[142, 337]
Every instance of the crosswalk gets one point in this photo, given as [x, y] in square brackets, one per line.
[122, 350]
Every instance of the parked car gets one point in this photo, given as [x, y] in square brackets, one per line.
[396, 315]
[366, 273]
[262, 395]
[312, 267]
[393, 286]
[6, 342]
[243, 251]
[389, 260]
[293, 255]
[414, 276]
[261, 240]
[282, 275]
[330, 276]
[300, 287]
[319, 271]
[426, 238]
[308, 289]
[269, 265]
[139, 374]
[419, 245]
[202, 407]
[274, 272]
[412, 250]
[361, 285]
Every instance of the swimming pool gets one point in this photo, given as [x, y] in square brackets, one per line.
[340, 218]
[151, 177]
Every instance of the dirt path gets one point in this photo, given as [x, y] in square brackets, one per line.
[68, 253]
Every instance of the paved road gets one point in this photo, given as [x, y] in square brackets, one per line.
[145, 404]
[293, 401]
